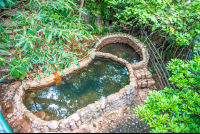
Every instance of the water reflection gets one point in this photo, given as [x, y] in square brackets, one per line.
[122, 50]
[102, 78]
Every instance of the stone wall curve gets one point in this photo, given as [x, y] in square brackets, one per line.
[133, 42]
[99, 108]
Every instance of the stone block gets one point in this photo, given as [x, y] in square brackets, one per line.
[16, 84]
[7, 104]
[72, 124]
[26, 125]
[52, 124]
[75, 117]
[16, 123]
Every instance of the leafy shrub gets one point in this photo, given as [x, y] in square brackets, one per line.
[175, 21]
[107, 9]
[4, 3]
[171, 110]
[3, 47]
[46, 35]
[185, 74]
[178, 19]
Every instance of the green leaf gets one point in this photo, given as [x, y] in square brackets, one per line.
[20, 43]
[2, 3]
[155, 27]
[15, 73]
[38, 77]
[49, 37]
[3, 51]
[25, 45]
[32, 74]
[21, 77]
[2, 78]
[17, 30]
[32, 21]
[62, 73]
[77, 64]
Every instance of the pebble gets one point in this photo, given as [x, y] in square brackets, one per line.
[41, 114]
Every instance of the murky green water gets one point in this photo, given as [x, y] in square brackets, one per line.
[123, 51]
[102, 78]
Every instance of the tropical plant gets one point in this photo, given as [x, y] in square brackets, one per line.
[173, 110]
[3, 47]
[5, 3]
[185, 74]
[105, 9]
[177, 22]
[46, 36]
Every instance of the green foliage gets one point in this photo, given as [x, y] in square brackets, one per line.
[3, 47]
[17, 68]
[105, 8]
[178, 22]
[171, 111]
[44, 36]
[4, 3]
[185, 74]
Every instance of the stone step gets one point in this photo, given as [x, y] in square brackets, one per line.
[145, 83]
[9, 60]
[11, 37]
[9, 45]
[143, 93]
[3, 72]
[142, 73]
[10, 52]
[7, 22]
[9, 32]
[13, 12]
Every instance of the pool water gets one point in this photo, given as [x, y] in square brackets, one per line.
[123, 51]
[101, 78]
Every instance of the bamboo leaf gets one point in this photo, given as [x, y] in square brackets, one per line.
[2, 78]
[2, 3]
[38, 77]
[20, 43]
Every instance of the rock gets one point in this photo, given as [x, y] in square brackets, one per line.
[31, 95]
[75, 116]
[10, 110]
[29, 101]
[26, 125]
[97, 63]
[16, 123]
[16, 84]
[72, 124]
[7, 105]
[40, 114]
[46, 118]
[9, 115]
[52, 124]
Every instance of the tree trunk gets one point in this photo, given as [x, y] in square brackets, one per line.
[72, 46]
[82, 3]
